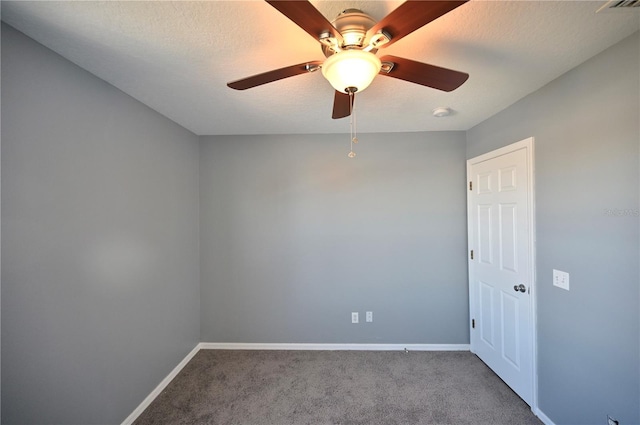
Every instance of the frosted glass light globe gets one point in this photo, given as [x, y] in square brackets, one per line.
[351, 68]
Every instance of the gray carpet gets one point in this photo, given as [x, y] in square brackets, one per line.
[336, 387]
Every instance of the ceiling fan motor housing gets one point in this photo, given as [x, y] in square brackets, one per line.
[353, 25]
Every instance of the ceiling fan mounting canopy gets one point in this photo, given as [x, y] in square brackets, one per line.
[350, 42]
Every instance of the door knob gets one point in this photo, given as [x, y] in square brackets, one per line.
[520, 288]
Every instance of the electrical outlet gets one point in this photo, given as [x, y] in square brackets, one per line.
[369, 316]
[611, 421]
[354, 317]
[561, 279]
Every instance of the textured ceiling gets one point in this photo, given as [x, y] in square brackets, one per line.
[178, 56]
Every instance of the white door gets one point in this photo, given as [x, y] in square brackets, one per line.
[501, 272]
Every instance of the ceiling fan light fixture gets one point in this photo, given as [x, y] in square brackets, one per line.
[351, 68]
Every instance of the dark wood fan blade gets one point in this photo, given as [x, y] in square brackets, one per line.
[424, 74]
[275, 75]
[342, 105]
[410, 16]
[306, 16]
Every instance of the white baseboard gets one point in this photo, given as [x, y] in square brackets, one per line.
[333, 347]
[161, 386]
[545, 420]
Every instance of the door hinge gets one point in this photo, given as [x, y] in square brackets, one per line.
[471, 254]
[473, 323]
[470, 185]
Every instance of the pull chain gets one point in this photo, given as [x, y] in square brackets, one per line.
[352, 123]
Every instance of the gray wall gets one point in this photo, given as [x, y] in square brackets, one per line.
[587, 138]
[100, 274]
[295, 236]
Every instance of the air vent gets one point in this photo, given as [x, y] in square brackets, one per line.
[620, 5]
[625, 3]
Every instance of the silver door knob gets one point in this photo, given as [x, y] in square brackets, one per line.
[520, 288]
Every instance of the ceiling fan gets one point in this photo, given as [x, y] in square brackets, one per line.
[350, 43]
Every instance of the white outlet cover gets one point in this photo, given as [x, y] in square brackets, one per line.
[354, 317]
[561, 279]
[369, 316]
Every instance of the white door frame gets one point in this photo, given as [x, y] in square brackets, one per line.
[528, 145]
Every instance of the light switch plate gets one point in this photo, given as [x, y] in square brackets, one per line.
[561, 279]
